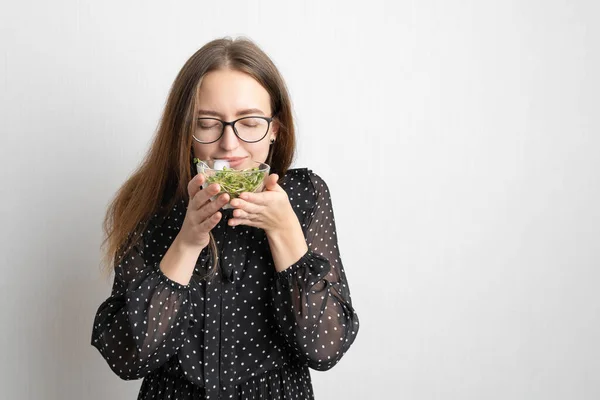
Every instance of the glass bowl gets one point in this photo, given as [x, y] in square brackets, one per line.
[233, 180]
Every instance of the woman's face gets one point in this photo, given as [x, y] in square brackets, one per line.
[228, 95]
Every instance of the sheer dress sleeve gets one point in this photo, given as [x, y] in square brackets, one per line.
[311, 298]
[145, 320]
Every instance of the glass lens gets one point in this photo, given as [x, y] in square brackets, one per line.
[208, 129]
[251, 129]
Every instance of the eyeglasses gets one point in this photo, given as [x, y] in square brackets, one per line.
[248, 129]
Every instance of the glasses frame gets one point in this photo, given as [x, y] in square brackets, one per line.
[232, 123]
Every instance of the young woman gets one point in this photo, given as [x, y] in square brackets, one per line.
[211, 303]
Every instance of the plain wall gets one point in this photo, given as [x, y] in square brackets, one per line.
[460, 141]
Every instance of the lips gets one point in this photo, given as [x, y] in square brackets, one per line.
[233, 161]
[230, 158]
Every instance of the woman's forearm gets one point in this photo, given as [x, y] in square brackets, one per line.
[287, 245]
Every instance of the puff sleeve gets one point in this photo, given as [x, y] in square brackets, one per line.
[311, 298]
[146, 318]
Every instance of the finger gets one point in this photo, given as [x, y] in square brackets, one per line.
[254, 198]
[204, 195]
[237, 213]
[243, 221]
[208, 224]
[195, 184]
[212, 207]
[246, 206]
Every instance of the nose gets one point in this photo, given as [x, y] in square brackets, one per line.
[229, 140]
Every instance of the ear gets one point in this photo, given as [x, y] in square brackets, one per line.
[274, 129]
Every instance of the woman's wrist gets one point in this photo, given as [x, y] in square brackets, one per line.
[180, 260]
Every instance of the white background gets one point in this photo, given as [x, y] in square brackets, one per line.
[459, 140]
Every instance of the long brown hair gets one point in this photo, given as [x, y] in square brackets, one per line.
[161, 179]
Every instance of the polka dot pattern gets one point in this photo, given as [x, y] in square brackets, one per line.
[248, 332]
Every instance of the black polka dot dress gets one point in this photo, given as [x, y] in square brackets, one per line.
[246, 332]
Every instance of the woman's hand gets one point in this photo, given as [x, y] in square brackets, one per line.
[202, 214]
[269, 210]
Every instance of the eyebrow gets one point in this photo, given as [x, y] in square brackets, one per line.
[238, 114]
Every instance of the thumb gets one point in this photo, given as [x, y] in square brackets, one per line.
[271, 182]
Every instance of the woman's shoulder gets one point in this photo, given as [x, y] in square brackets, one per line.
[303, 187]
[303, 177]
[297, 178]
[168, 219]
